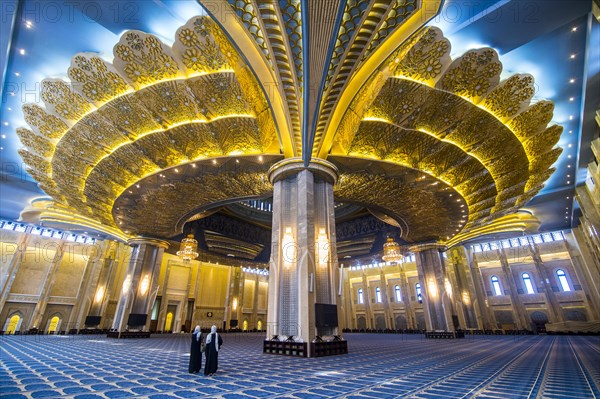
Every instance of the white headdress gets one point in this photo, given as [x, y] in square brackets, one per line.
[213, 329]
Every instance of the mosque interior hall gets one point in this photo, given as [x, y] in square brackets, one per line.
[367, 199]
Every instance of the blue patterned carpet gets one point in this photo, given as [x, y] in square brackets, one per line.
[378, 366]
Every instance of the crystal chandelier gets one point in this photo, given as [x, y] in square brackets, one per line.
[391, 251]
[188, 249]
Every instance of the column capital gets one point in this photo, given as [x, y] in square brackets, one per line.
[428, 245]
[292, 166]
[148, 241]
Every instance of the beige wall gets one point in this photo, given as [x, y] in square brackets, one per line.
[207, 290]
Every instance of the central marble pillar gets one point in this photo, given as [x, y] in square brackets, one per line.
[435, 286]
[303, 276]
[140, 285]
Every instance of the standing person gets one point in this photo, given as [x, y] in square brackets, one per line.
[195, 351]
[213, 344]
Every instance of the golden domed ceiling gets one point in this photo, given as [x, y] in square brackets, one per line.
[138, 145]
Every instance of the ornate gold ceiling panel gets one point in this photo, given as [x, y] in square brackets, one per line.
[131, 143]
[425, 208]
[152, 108]
[159, 205]
[276, 29]
[364, 27]
[462, 103]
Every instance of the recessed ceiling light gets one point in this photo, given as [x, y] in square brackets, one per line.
[568, 175]
[22, 51]
[569, 156]
[572, 56]
[193, 165]
[570, 117]
[214, 161]
[570, 145]
[574, 29]
[17, 74]
[571, 98]
[28, 24]
[260, 158]
[9, 108]
[568, 182]
[176, 170]
[567, 197]
[451, 195]
[137, 185]
[571, 80]
[237, 161]
[568, 166]
[1, 148]
[4, 136]
[570, 131]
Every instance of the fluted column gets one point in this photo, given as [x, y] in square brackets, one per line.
[587, 270]
[8, 278]
[464, 295]
[411, 322]
[367, 297]
[517, 305]
[238, 293]
[254, 318]
[432, 275]
[40, 307]
[385, 299]
[303, 257]
[485, 316]
[93, 285]
[141, 281]
[556, 313]
[186, 303]
[346, 304]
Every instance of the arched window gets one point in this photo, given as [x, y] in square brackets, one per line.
[528, 285]
[378, 295]
[562, 278]
[418, 290]
[53, 325]
[397, 293]
[361, 298]
[496, 285]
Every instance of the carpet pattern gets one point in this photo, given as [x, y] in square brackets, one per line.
[378, 366]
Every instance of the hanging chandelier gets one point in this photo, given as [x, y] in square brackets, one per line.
[391, 251]
[189, 249]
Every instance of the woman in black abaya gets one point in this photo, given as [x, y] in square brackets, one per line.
[195, 351]
[213, 344]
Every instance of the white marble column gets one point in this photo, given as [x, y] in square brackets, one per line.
[303, 266]
[432, 276]
[141, 281]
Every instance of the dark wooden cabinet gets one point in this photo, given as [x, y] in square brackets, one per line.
[328, 348]
[286, 348]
